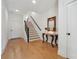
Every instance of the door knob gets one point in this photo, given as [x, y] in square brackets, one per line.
[68, 33]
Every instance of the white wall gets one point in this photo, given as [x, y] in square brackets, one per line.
[4, 27]
[61, 30]
[15, 25]
[52, 12]
[12, 26]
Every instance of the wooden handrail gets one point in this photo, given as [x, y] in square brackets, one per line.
[35, 23]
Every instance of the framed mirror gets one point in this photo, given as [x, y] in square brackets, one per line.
[51, 24]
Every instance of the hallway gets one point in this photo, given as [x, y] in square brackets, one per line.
[19, 49]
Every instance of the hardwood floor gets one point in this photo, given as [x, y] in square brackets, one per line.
[19, 49]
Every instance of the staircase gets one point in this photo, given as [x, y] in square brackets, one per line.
[32, 32]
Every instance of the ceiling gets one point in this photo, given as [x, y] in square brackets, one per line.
[25, 6]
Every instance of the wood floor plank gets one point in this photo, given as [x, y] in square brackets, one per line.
[19, 49]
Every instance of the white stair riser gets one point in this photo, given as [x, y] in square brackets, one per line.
[32, 32]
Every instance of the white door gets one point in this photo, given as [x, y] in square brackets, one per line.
[15, 26]
[13, 29]
[72, 30]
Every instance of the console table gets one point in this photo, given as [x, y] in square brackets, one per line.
[54, 36]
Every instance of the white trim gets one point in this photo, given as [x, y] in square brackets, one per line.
[34, 39]
[70, 2]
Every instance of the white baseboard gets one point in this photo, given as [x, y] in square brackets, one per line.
[60, 54]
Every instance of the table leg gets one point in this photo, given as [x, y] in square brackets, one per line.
[46, 38]
[52, 40]
[56, 38]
